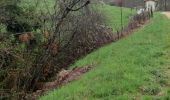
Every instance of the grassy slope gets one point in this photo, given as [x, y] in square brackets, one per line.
[112, 13]
[134, 67]
[114, 18]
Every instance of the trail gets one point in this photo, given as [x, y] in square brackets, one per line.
[167, 14]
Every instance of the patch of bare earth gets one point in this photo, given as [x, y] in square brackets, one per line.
[166, 14]
[64, 77]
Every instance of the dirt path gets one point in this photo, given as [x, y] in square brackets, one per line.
[167, 14]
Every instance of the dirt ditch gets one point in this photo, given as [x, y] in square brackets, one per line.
[66, 76]
[63, 78]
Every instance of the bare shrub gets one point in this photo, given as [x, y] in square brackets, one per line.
[77, 29]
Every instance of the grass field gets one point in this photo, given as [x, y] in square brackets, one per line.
[136, 67]
[113, 16]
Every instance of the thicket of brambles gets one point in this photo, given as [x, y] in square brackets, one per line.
[36, 43]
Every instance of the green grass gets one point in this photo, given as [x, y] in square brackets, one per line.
[113, 15]
[135, 67]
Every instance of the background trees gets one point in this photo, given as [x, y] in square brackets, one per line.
[164, 5]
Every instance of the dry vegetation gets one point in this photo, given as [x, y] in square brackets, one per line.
[33, 48]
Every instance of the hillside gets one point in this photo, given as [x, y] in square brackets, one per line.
[113, 17]
[135, 67]
[42, 38]
[83, 50]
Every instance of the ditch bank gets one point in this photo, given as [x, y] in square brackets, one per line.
[68, 76]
